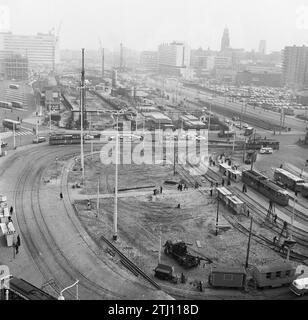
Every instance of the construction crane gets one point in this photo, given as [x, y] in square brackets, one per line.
[55, 45]
[102, 56]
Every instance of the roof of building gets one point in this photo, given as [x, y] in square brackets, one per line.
[229, 269]
[283, 266]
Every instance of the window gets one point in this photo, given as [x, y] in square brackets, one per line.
[278, 274]
[228, 276]
[288, 272]
[268, 275]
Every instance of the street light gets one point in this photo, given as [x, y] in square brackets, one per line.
[61, 297]
[9, 276]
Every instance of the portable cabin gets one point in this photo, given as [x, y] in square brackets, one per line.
[274, 275]
[304, 190]
[223, 193]
[229, 277]
[164, 272]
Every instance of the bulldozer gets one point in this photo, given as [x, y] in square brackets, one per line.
[179, 252]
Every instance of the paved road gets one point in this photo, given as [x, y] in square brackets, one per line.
[56, 243]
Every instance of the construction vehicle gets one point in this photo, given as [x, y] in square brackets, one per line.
[165, 272]
[179, 252]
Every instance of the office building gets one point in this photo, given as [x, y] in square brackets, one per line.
[39, 49]
[174, 58]
[295, 66]
[262, 47]
[149, 60]
[15, 66]
[225, 40]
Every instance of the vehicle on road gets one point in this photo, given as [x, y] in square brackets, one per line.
[39, 140]
[88, 137]
[3, 144]
[64, 138]
[17, 104]
[266, 150]
[11, 124]
[13, 86]
[299, 286]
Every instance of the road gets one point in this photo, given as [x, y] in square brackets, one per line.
[55, 241]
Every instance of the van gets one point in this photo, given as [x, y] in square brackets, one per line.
[266, 150]
[299, 286]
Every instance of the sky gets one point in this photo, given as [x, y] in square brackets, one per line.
[144, 24]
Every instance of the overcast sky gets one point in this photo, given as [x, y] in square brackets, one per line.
[144, 24]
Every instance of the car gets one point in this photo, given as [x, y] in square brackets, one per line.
[39, 140]
[88, 137]
[3, 144]
[266, 150]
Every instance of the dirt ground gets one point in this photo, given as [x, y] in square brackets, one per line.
[143, 218]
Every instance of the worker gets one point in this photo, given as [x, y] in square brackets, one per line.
[248, 213]
[244, 188]
[11, 210]
[229, 182]
[295, 192]
[274, 239]
[281, 166]
[200, 286]
[161, 189]
[211, 192]
[223, 182]
[183, 279]
[185, 187]
[61, 195]
[275, 218]
[179, 206]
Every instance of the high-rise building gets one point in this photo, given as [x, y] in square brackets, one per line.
[15, 66]
[174, 58]
[262, 47]
[295, 66]
[149, 60]
[39, 49]
[225, 40]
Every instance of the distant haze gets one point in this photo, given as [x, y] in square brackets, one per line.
[144, 24]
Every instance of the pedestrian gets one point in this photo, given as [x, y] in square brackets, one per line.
[223, 182]
[200, 286]
[229, 182]
[214, 163]
[179, 206]
[212, 184]
[161, 189]
[18, 240]
[61, 195]
[89, 205]
[183, 280]
[275, 218]
[295, 193]
[274, 239]
[11, 210]
[248, 213]
[185, 187]
[211, 192]
[10, 219]
[181, 187]
[281, 166]
[16, 248]
[216, 184]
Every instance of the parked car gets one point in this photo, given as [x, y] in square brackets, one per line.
[299, 286]
[88, 137]
[266, 150]
[39, 139]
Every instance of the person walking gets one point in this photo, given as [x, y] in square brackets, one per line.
[211, 192]
[61, 195]
[161, 189]
[11, 210]
[223, 182]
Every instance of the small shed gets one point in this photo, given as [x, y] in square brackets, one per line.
[227, 276]
[274, 275]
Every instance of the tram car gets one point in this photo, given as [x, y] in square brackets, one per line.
[288, 180]
[304, 190]
[266, 187]
[17, 104]
[63, 138]
[230, 172]
[11, 124]
[4, 104]
[236, 204]
[223, 193]
[227, 277]
[273, 275]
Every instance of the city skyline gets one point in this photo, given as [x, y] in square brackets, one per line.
[144, 25]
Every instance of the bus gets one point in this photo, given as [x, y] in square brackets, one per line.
[4, 104]
[11, 124]
[17, 104]
[64, 138]
[288, 179]
[14, 86]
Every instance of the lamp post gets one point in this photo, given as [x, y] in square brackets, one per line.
[209, 123]
[115, 214]
[61, 297]
[8, 277]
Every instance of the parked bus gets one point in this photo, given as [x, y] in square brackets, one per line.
[14, 86]
[4, 104]
[11, 124]
[17, 104]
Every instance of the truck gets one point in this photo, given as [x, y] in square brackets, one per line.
[179, 252]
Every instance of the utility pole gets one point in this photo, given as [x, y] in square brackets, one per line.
[248, 247]
[159, 250]
[82, 95]
[174, 156]
[216, 232]
[97, 204]
[14, 135]
[244, 151]
[115, 214]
